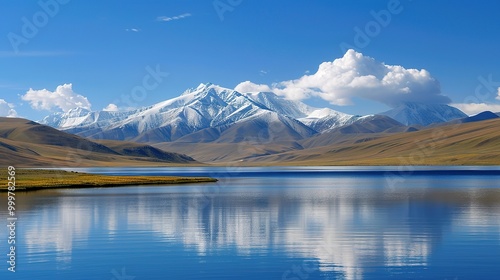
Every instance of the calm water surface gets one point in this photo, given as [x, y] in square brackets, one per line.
[266, 223]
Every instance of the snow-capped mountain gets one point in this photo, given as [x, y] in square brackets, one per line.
[290, 108]
[411, 113]
[210, 113]
[319, 119]
[204, 114]
[326, 119]
[81, 117]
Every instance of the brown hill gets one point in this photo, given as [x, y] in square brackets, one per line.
[27, 143]
[476, 143]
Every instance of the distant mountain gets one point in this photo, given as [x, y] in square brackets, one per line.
[486, 115]
[483, 116]
[319, 119]
[326, 119]
[364, 128]
[411, 113]
[26, 143]
[370, 124]
[208, 113]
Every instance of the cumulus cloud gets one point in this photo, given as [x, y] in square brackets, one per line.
[7, 109]
[498, 94]
[63, 98]
[248, 86]
[111, 108]
[165, 18]
[358, 76]
[476, 108]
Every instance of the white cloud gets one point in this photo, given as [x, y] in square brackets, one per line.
[133, 30]
[359, 76]
[63, 98]
[248, 86]
[7, 109]
[498, 94]
[111, 108]
[165, 18]
[476, 108]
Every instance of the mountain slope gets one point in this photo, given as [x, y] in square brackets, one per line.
[263, 128]
[365, 128]
[272, 102]
[411, 113]
[326, 119]
[132, 149]
[26, 143]
[255, 146]
[24, 131]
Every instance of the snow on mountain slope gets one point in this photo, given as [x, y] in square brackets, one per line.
[424, 114]
[264, 127]
[213, 113]
[290, 108]
[207, 106]
[82, 117]
[319, 119]
[325, 119]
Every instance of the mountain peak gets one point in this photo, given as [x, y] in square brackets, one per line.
[324, 112]
[200, 88]
[414, 113]
[78, 110]
[486, 115]
[204, 86]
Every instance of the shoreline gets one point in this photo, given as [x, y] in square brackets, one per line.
[44, 179]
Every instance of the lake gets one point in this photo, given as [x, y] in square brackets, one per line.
[266, 223]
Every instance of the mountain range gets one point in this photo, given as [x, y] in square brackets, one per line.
[213, 114]
[216, 125]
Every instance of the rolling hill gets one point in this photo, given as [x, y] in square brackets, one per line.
[473, 143]
[374, 140]
[27, 143]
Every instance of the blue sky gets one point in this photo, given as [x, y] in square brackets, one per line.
[109, 51]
